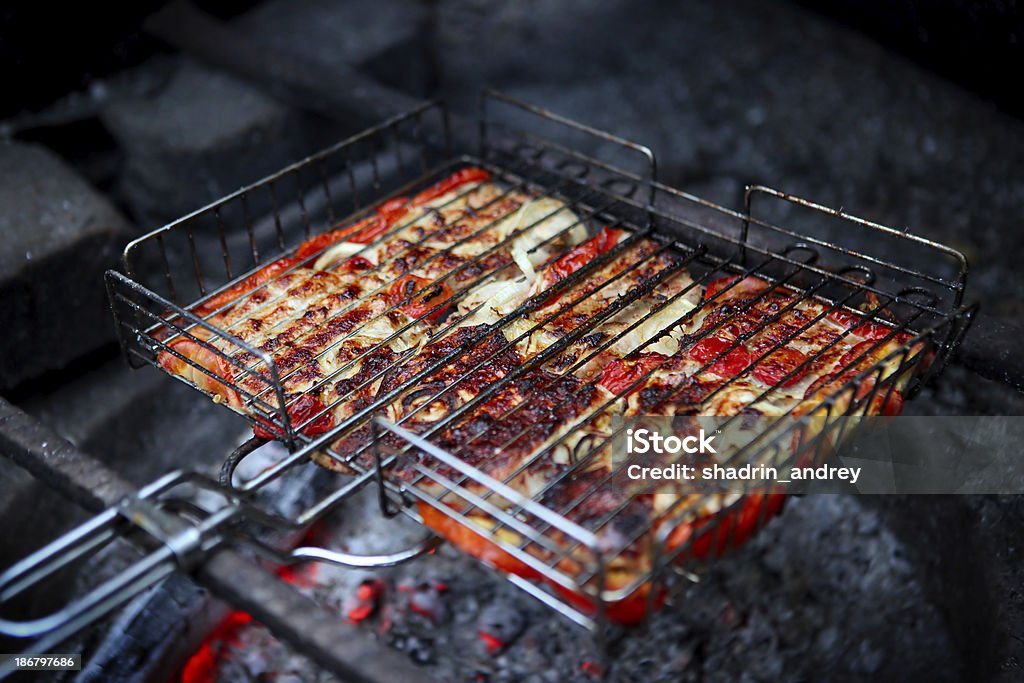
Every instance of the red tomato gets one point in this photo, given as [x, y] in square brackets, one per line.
[893, 400]
[300, 412]
[820, 384]
[728, 365]
[780, 363]
[461, 177]
[392, 205]
[853, 362]
[748, 287]
[364, 233]
[859, 357]
[581, 255]
[199, 356]
[712, 535]
[858, 326]
[893, 403]
[619, 375]
[416, 296]
[357, 263]
[361, 232]
[715, 286]
[250, 283]
[387, 214]
[850, 364]
[829, 384]
[843, 318]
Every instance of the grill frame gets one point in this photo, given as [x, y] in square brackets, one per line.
[634, 198]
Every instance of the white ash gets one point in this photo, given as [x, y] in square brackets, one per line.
[825, 592]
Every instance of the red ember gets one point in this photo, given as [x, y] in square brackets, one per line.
[366, 600]
[493, 644]
[202, 666]
[425, 599]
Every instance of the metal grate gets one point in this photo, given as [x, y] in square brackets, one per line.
[172, 274]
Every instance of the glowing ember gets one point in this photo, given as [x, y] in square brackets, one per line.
[366, 600]
[493, 644]
[499, 625]
[426, 599]
[204, 665]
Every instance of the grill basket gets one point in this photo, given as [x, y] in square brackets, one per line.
[784, 240]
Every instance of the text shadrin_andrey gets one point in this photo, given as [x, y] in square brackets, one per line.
[748, 472]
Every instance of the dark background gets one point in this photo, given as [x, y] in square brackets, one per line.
[976, 44]
[908, 113]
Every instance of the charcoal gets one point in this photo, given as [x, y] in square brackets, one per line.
[420, 650]
[59, 237]
[502, 621]
[101, 410]
[859, 606]
[869, 658]
[426, 598]
[382, 39]
[203, 135]
[543, 677]
[206, 133]
[149, 631]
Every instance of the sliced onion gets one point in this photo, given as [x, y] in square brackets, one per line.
[661, 320]
[498, 297]
[522, 260]
[381, 328]
[342, 250]
[542, 219]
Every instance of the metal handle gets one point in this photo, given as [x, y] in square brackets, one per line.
[181, 545]
[83, 541]
[179, 542]
[316, 554]
[44, 563]
[990, 350]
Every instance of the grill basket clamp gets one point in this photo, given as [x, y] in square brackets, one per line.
[179, 535]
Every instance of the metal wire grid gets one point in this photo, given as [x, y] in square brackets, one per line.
[548, 540]
[598, 192]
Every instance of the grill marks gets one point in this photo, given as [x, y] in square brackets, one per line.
[728, 362]
[450, 231]
[333, 330]
[773, 356]
[637, 268]
[297, 330]
[503, 433]
[499, 433]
